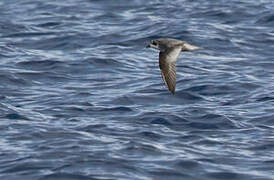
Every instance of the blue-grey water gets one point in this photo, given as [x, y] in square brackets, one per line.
[82, 98]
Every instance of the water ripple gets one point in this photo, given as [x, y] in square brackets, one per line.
[82, 98]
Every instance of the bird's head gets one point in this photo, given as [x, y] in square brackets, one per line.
[153, 44]
[163, 44]
[159, 44]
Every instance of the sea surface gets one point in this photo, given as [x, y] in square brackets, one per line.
[82, 98]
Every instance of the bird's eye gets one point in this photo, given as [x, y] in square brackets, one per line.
[154, 43]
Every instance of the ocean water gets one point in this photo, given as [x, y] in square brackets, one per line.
[82, 98]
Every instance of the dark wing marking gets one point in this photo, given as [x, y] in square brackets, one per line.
[168, 72]
[167, 63]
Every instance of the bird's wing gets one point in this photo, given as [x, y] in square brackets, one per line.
[167, 63]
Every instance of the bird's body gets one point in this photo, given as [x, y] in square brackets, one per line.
[170, 50]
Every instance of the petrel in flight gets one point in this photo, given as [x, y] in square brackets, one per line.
[170, 50]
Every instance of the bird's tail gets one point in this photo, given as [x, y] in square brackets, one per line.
[188, 47]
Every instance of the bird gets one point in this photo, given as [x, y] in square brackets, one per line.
[170, 50]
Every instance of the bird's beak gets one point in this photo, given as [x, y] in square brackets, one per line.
[152, 46]
[189, 47]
